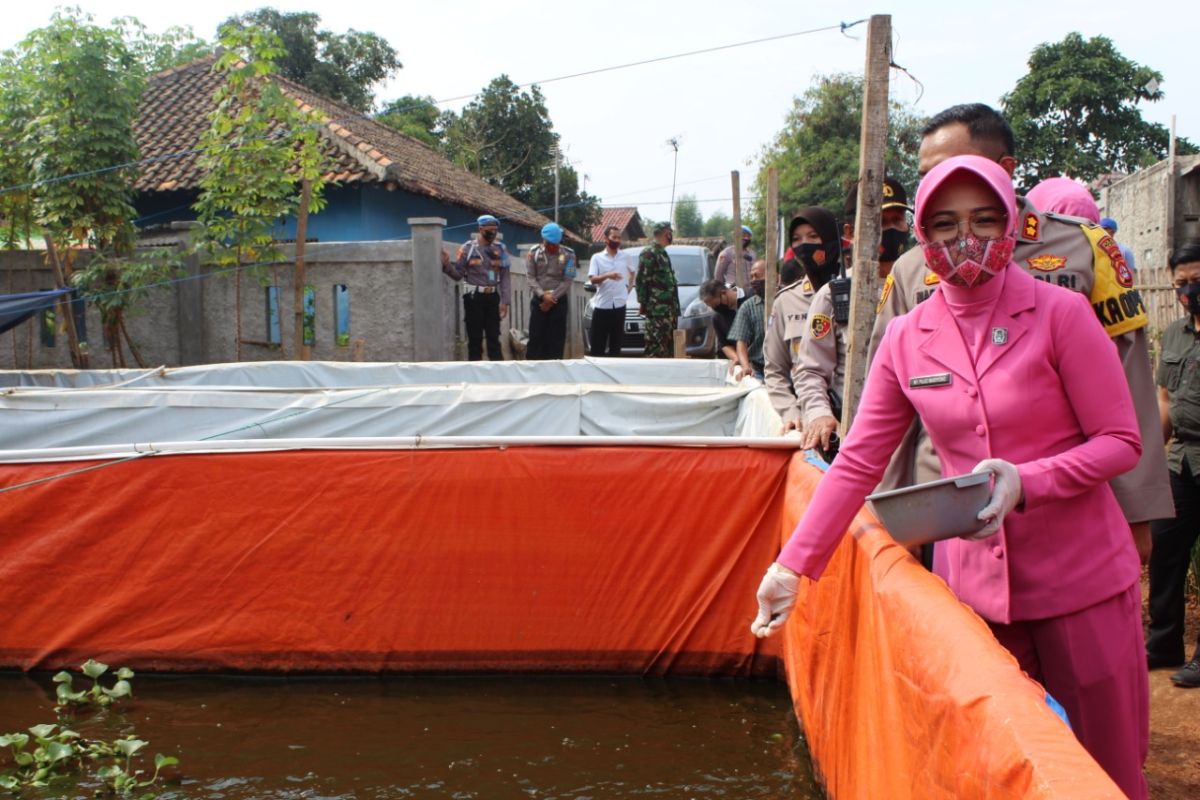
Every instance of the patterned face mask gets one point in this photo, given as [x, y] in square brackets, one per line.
[978, 259]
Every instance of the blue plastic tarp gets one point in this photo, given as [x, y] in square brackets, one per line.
[16, 308]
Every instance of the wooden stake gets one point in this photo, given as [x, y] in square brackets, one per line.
[737, 230]
[867, 227]
[79, 359]
[302, 352]
[680, 344]
[771, 236]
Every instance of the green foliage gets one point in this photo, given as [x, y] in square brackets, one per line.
[116, 286]
[418, 117]
[79, 88]
[343, 66]
[1076, 112]
[719, 224]
[256, 149]
[51, 752]
[155, 52]
[505, 136]
[16, 204]
[816, 152]
[688, 219]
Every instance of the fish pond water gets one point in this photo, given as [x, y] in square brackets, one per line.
[445, 737]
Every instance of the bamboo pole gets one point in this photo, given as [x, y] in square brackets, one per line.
[78, 358]
[770, 238]
[735, 178]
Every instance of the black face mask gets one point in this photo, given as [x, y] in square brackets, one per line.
[487, 236]
[1191, 294]
[893, 243]
[745, 243]
[819, 274]
[759, 287]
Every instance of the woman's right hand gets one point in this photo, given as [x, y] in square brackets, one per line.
[776, 598]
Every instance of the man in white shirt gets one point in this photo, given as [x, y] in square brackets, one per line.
[612, 273]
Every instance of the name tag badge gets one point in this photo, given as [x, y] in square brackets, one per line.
[925, 381]
[492, 275]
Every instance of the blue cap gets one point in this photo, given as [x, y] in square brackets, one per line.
[552, 233]
[1109, 224]
[487, 219]
[746, 230]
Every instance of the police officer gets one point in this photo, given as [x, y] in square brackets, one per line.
[781, 345]
[483, 266]
[821, 362]
[551, 268]
[1174, 539]
[658, 294]
[1066, 252]
[725, 266]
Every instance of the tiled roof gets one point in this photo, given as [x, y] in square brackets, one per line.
[174, 114]
[621, 217]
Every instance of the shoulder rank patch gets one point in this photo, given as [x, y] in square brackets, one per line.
[1113, 251]
[1047, 262]
[806, 286]
[931, 279]
[887, 290]
[820, 325]
[1030, 227]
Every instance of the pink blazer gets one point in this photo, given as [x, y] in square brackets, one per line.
[1048, 395]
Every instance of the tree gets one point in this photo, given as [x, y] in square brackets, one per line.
[688, 219]
[816, 152]
[1076, 112]
[258, 148]
[418, 117]
[344, 66]
[719, 224]
[505, 136]
[155, 52]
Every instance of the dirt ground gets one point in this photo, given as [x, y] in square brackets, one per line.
[1173, 767]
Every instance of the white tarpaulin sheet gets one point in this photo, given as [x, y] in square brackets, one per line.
[297, 400]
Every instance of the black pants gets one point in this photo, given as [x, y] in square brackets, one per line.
[1173, 540]
[608, 331]
[547, 330]
[481, 312]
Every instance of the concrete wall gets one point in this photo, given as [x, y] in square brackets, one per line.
[388, 294]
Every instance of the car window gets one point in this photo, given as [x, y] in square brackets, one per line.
[689, 268]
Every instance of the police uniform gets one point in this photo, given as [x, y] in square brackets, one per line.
[548, 272]
[820, 366]
[724, 270]
[781, 344]
[1174, 539]
[658, 294]
[1077, 255]
[484, 270]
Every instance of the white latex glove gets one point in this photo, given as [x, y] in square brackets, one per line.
[1006, 494]
[776, 597]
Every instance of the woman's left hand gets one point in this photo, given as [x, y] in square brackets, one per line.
[1006, 495]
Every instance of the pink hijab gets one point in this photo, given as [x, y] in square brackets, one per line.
[983, 258]
[1064, 196]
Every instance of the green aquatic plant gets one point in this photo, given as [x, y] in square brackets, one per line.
[52, 751]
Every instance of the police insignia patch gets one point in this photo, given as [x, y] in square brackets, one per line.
[806, 286]
[931, 279]
[1030, 227]
[887, 290]
[820, 325]
[1046, 262]
[1117, 258]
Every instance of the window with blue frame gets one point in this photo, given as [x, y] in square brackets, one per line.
[341, 315]
[274, 335]
[310, 316]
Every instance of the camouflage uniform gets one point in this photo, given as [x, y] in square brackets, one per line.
[658, 293]
[1077, 255]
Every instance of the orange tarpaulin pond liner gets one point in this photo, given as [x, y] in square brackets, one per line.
[550, 559]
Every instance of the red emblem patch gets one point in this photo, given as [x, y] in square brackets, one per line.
[821, 326]
[1117, 258]
[1031, 226]
[1047, 262]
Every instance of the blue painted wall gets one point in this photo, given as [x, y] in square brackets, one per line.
[351, 214]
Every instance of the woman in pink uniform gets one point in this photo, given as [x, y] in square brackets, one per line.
[1014, 376]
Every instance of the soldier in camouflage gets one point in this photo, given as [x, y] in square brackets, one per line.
[658, 294]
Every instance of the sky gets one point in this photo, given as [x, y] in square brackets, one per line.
[723, 107]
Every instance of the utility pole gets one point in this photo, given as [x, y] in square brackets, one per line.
[736, 181]
[557, 161]
[867, 226]
[674, 144]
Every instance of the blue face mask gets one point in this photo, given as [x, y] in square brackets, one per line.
[1190, 294]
